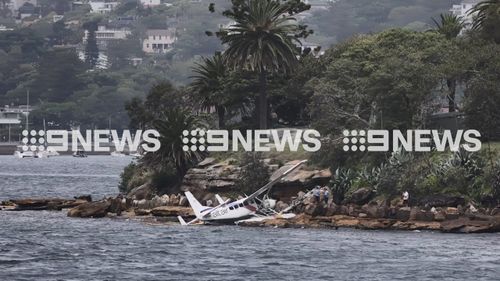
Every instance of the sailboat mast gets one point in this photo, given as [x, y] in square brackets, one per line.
[27, 108]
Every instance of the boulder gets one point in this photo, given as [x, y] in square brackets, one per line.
[361, 196]
[495, 212]
[468, 225]
[172, 211]
[403, 214]
[280, 206]
[97, 209]
[452, 213]
[441, 200]
[183, 202]
[142, 212]
[314, 210]
[141, 192]
[44, 204]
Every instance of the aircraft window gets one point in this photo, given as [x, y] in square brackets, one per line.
[245, 203]
[231, 208]
[236, 206]
[241, 205]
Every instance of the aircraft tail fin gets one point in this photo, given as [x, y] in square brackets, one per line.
[181, 220]
[219, 199]
[195, 205]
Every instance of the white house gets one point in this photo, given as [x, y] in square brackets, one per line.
[102, 7]
[159, 41]
[103, 34]
[463, 10]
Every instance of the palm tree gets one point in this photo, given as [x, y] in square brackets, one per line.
[262, 39]
[450, 26]
[208, 85]
[171, 126]
[487, 19]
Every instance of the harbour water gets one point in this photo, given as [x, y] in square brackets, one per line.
[46, 245]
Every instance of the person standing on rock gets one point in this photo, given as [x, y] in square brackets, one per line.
[325, 195]
[316, 194]
[406, 198]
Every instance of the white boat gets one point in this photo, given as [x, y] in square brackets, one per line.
[48, 152]
[20, 153]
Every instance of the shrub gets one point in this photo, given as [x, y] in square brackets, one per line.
[254, 173]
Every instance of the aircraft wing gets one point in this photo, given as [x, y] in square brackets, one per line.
[277, 179]
[215, 208]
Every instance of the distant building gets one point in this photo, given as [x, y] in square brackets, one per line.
[57, 18]
[463, 11]
[159, 41]
[4, 28]
[28, 10]
[12, 117]
[102, 7]
[103, 34]
[150, 3]
[14, 5]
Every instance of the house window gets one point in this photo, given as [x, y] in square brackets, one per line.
[147, 45]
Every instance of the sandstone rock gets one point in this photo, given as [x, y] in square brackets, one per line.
[452, 213]
[142, 212]
[440, 216]
[172, 211]
[97, 209]
[165, 200]
[207, 161]
[373, 210]
[441, 200]
[183, 202]
[141, 192]
[374, 224]
[44, 204]
[403, 214]
[361, 196]
[280, 206]
[467, 225]
[416, 225]
[174, 200]
[495, 212]
[332, 209]
[314, 210]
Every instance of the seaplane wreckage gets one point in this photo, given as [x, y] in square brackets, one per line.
[256, 206]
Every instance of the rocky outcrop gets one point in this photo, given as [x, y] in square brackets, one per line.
[141, 192]
[361, 196]
[472, 224]
[43, 204]
[97, 209]
[211, 176]
[172, 211]
[441, 200]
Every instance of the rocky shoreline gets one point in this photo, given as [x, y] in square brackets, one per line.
[372, 216]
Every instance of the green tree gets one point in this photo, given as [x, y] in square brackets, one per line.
[171, 124]
[263, 39]
[387, 80]
[91, 49]
[450, 26]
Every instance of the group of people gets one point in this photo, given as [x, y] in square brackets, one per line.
[321, 194]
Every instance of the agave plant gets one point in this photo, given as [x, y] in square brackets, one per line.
[341, 183]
